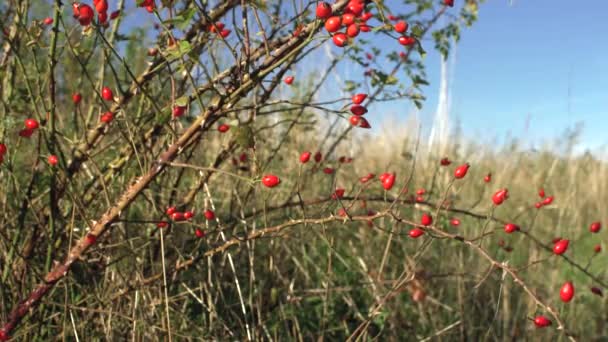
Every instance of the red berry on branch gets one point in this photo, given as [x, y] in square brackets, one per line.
[595, 227]
[209, 215]
[107, 117]
[53, 160]
[359, 98]
[455, 222]
[566, 293]
[47, 21]
[406, 41]
[305, 157]
[178, 111]
[76, 98]
[500, 196]
[401, 26]
[510, 228]
[548, 200]
[358, 110]
[199, 233]
[416, 233]
[270, 181]
[461, 171]
[340, 39]
[289, 80]
[487, 178]
[323, 10]
[31, 124]
[597, 291]
[426, 219]
[223, 128]
[541, 193]
[333, 24]
[561, 246]
[106, 94]
[348, 19]
[542, 322]
[188, 215]
[445, 161]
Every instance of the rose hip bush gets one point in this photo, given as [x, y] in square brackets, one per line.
[185, 170]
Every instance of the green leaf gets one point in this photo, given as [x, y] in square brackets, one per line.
[183, 47]
[417, 31]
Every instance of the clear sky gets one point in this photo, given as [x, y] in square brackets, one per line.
[542, 59]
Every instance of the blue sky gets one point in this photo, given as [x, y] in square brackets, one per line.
[523, 59]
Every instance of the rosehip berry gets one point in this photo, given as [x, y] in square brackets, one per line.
[487, 178]
[328, 171]
[106, 94]
[3, 149]
[358, 110]
[455, 222]
[461, 171]
[342, 212]
[426, 219]
[445, 161]
[225, 33]
[597, 248]
[101, 6]
[333, 24]
[419, 199]
[305, 157]
[500, 196]
[406, 41]
[561, 246]
[348, 19]
[76, 98]
[352, 30]
[541, 193]
[47, 21]
[365, 28]
[270, 181]
[367, 178]
[538, 205]
[420, 191]
[107, 117]
[566, 293]
[318, 157]
[359, 98]
[114, 15]
[209, 215]
[90, 238]
[542, 322]
[595, 227]
[392, 17]
[548, 200]
[388, 181]
[339, 193]
[597, 291]
[323, 10]
[85, 14]
[178, 111]
[31, 124]
[53, 160]
[170, 211]
[340, 39]
[162, 224]
[217, 27]
[289, 80]
[26, 132]
[177, 216]
[449, 3]
[366, 16]
[188, 215]
[223, 128]
[199, 233]
[401, 26]
[355, 8]
[416, 233]
[510, 228]
[364, 123]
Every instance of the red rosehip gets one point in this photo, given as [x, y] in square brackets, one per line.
[101, 6]
[449, 3]
[367, 178]
[597, 291]
[359, 98]
[328, 171]
[333, 24]
[538, 205]
[597, 248]
[342, 212]
[455, 222]
[178, 111]
[500, 196]
[348, 19]
[225, 33]
[31, 124]
[340, 39]
[209, 215]
[548, 200]
[3, 149]
[289, 80]
[107, 117]
[487, 178]
[217, 27]
[561, 246]
[26, 132]
[106, 94]
[199, 233]
[90, 238]
[566, 293]
[355, 8]
[53, 160]
[76, 9]
[339, 193]
[305, 157]
[365, 28]
[85, 14]
[401, 26]
[323, 10]
[170, 211]
[421, 191]
[223, 128]
[114, 15]
[595, 227]
[76, 98]
[366, 16]
[541, 193]
[363, 123]
[416, 233]
[358, 110]
[177, 216]
[419, 199]
[461, 171]
[406, 41]
[318, 157]
[388, 181]
[510, 228]
[188, 215]
[392, 17]
[542, 321]
[426, 219]
[162, 224]
[352, 30]
[270, 181]
[445, 161]
[47, 21]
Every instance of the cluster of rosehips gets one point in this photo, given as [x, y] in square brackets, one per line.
[219, 29]
[544, 200]
[358, 111]
[84, 13]
[354, 19]
[31, 125]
